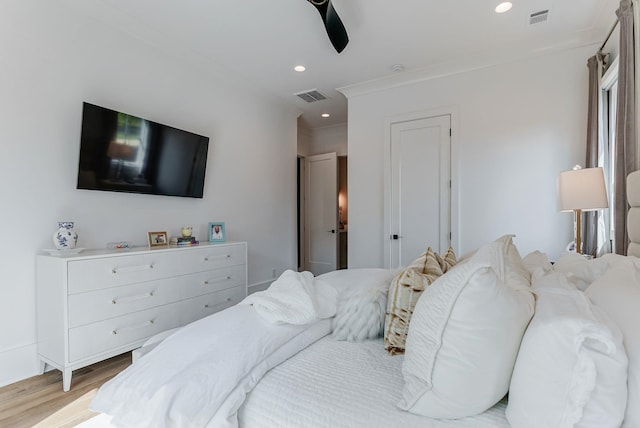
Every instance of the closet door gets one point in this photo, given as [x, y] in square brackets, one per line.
[418, 202]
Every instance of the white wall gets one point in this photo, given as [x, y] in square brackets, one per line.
[318, 141]
[329, 139]
[520, 124]
[304, 139]
[51, 60]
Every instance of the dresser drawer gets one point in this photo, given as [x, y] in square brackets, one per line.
[106, 272]
[89, 307]
[93, 339]
[216, 302]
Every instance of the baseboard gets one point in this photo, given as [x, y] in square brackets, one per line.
[18, 363]
[261, 286]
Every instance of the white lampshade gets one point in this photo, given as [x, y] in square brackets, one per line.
[582, 189]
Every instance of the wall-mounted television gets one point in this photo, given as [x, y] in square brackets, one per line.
[124, 153]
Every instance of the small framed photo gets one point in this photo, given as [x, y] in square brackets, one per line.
[158, 239]
[216, 232]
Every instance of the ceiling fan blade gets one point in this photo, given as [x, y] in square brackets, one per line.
[332, 23]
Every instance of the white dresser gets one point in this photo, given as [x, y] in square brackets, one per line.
[98, 304]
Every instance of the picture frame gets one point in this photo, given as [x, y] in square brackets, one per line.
[158, 239]
[217, 232]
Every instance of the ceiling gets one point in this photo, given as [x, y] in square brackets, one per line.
[263, 40]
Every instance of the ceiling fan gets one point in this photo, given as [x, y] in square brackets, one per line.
[332, 23]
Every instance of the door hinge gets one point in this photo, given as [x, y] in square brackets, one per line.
[449, 132]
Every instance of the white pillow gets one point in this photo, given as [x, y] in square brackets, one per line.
[579, 270]
[362, 301]
[571, 370]
[617, 292]
[537, 262]
[346, 279]
[464, 336]
[513, 257]
[360, 314]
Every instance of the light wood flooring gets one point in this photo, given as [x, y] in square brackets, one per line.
[40, 402]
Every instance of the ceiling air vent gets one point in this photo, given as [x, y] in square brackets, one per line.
[540, 16]
[311, 96]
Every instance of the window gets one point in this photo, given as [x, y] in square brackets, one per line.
[606, 153]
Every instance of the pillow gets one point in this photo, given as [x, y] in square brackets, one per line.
[464, 336]
[617, 293]
[405, 290]
[571, 369]
[513, 256]
[345, 279]
[360, 314]
[580, 271]
[537, 262]
[362, 298]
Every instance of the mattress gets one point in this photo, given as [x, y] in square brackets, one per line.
[343, 384]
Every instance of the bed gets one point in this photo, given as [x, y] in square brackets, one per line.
[442, 343]
[345, 384]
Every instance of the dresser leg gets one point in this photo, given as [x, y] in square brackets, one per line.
[66, 379]
[42, 367]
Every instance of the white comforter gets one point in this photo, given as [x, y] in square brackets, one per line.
[199, 376]
[295, 298]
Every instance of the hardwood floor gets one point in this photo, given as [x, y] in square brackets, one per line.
[40, 402]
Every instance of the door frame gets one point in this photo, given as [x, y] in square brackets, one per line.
[302, 214]
[451, 111]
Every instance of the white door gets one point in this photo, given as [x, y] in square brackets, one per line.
[321, 186]
[419, 189]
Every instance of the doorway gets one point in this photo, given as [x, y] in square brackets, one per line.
[322, 213]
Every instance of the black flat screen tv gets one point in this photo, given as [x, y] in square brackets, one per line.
[124, 153]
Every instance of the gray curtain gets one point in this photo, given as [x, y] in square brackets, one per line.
[590, 219]
[625, 147]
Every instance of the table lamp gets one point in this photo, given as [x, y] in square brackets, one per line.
[581, 190]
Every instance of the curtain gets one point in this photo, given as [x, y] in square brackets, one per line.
[590, 223]
[625, 147]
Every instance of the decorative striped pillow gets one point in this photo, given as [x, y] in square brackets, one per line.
[405, 290]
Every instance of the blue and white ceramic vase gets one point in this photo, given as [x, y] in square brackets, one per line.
[65, 238]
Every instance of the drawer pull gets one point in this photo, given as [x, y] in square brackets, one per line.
[222, 278]
[132, 298]
[130, 327]
[229, 299]
[127, 269]
[212, 258]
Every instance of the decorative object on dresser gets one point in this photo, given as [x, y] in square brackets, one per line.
[182, 241]
[65, 238]
[120, 245]
[581, 190]
[217, 232]
[186, 231]
[106, 302]
[158, 239]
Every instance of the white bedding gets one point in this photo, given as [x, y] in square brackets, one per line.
[294, 298]
[199, 376]
[343, 384]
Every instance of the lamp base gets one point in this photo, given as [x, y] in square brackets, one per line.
[578, 223]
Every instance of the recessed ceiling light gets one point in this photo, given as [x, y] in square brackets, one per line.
[503, 7]
[325, 115]
[299, 68]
